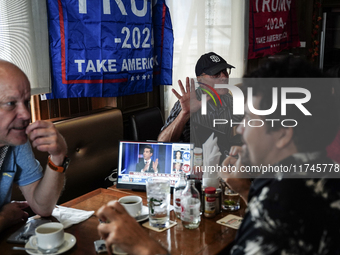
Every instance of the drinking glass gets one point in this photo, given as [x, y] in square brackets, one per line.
[231, 200]
[158, 194]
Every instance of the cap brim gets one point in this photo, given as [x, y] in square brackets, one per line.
[217, 68]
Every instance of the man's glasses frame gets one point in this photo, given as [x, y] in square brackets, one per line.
[226, 72]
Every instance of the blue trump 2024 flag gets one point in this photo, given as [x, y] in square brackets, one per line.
[109, 48]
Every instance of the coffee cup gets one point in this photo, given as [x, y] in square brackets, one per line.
[48, 236]
[133, 205]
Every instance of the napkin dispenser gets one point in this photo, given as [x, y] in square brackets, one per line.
[210, 180]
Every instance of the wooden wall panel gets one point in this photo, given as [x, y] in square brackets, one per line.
[57, 109]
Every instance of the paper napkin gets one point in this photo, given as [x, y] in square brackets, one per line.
[171, 224]
[211, 159]
[211, 152]
[70, 216]
[231, 221]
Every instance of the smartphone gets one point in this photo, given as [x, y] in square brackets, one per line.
[100, 246]
[22, 235]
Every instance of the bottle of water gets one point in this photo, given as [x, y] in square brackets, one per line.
[190, 205]
[179, 187]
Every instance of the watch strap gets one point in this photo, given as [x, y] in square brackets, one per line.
[59, 169]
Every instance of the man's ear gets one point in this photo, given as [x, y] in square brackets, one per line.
[285, 137]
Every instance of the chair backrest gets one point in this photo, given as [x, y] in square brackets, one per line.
[146, 124]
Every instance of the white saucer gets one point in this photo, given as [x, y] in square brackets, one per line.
[145, 210]
[69, 242]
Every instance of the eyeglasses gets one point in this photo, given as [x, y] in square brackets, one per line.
[226, 72]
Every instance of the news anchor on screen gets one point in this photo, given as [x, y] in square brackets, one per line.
[147, 165]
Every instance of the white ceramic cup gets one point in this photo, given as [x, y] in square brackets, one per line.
[48, 236]
[133, 204]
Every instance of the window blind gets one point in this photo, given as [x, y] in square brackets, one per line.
[24, 40]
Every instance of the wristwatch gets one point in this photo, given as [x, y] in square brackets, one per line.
[59, 169]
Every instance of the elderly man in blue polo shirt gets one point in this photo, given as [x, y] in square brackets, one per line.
[17, 162]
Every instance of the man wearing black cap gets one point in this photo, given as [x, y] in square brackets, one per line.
[211, 69]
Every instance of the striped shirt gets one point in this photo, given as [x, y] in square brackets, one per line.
[213, 112]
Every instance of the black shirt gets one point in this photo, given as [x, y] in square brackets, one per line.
[292, 215]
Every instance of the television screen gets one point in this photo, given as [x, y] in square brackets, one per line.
[140, 160]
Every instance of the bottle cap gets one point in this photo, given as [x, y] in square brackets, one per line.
[198, 150]
[210, 190]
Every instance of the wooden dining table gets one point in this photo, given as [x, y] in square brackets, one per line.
[209, 238]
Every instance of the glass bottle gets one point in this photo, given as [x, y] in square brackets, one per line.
[190, 205]
[179, 187]
[198, 156]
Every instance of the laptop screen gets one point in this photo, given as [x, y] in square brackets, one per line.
[138, 161]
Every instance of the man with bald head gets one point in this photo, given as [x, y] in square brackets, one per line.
[17, 162]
